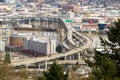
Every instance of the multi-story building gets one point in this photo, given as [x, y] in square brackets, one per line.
[67, 7]
[44, 46]
[5, 32]
[33, 43]
[67, 15]
[16, 39]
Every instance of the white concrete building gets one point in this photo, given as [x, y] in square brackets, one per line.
[5, 32]
[44, 46]
[67, 15]
[77, 26]
[70, 14]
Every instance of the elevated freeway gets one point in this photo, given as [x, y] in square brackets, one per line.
[76, 49]
[33, 60]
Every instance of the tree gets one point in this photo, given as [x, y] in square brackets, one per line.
[106, 65]
[6, 71]
[42, 78]
[59, 49]
[104, 68]
[7, 58]
[55, 73]
[76, 66]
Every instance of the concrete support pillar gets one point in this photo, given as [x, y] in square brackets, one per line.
[45, 64]
[79, 56]
[70, 57]
[53, 24]
[29, 21]
[26, 66]
[17, 22]
[47, 23]
[39, 22]
[73, 57]
[90, 33]
[85, 51]
[39, 65]
[90, 48]
[65, 58]
[53, 33]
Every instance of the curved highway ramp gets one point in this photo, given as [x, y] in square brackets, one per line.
[87, 44]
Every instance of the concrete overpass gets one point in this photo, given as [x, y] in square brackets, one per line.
[40, 59]
[68, 28]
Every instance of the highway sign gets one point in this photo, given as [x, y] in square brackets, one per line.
[68, 20]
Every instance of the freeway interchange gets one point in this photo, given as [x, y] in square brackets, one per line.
[70, 32]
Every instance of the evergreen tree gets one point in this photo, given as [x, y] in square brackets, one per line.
[76, 66]
[106, 65]
[104, 68]
[42, 78]
[6, 71]
[55, 73]
[59, 49]
[7, 58]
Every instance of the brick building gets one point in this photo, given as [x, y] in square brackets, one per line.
[67, 7]
[40, 1]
